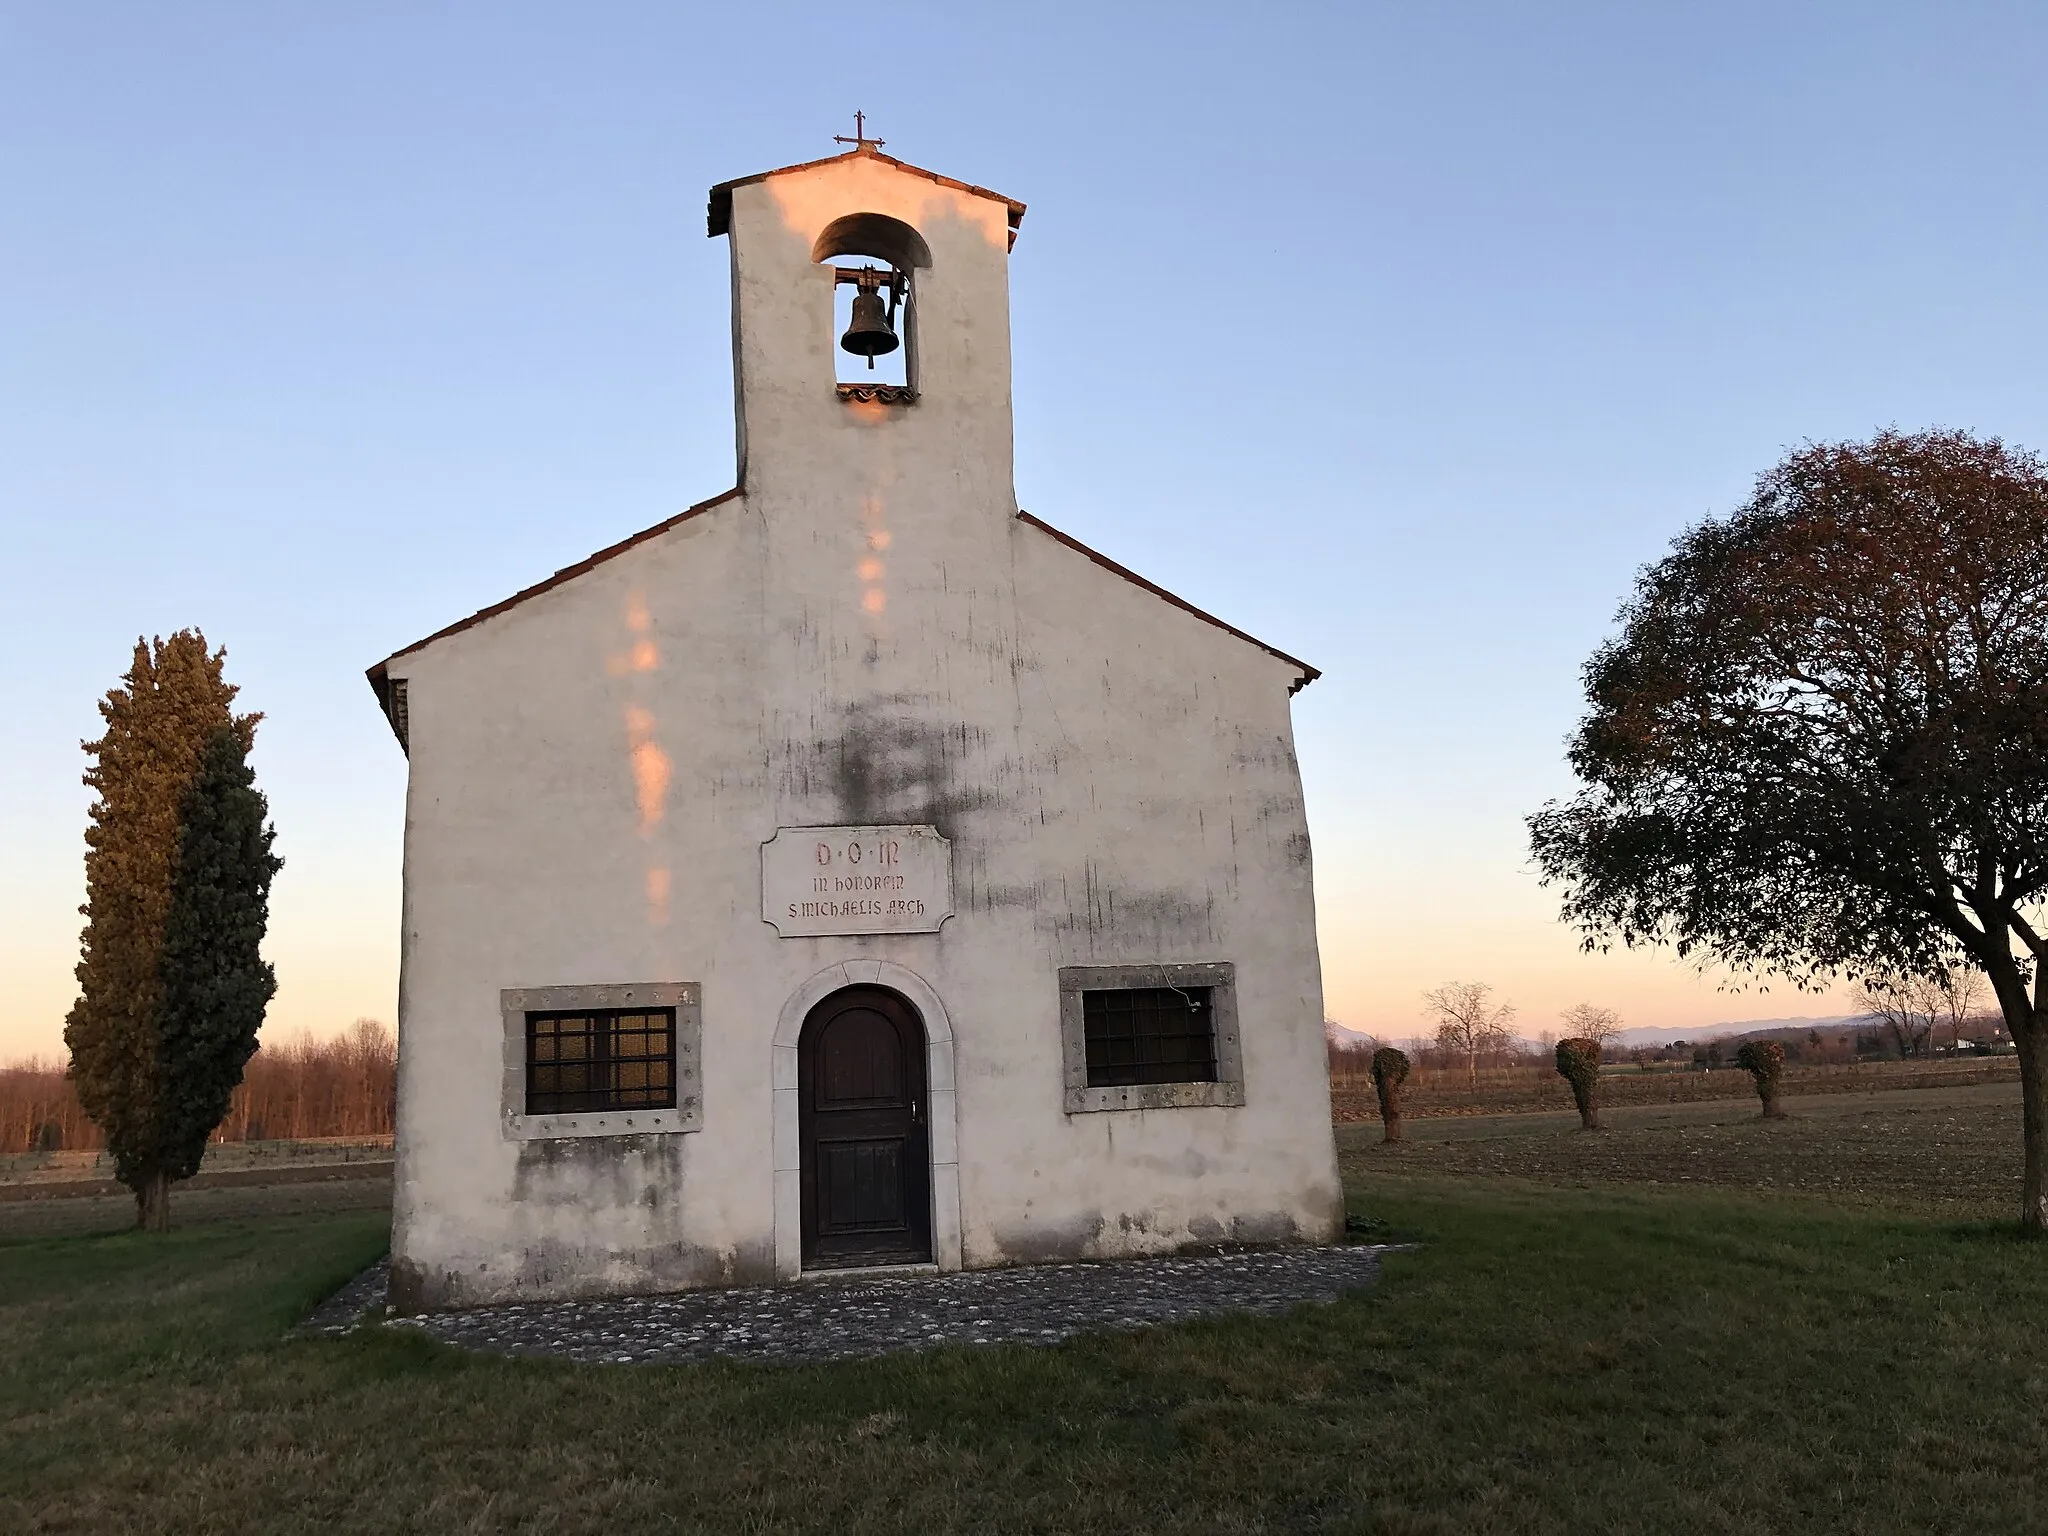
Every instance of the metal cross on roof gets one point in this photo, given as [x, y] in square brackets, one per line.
[860, 139]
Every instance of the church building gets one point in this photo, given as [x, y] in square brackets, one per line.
[852, 870]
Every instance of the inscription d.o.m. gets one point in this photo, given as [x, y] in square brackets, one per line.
[826, 880]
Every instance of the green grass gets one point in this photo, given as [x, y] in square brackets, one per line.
[1584, 1359]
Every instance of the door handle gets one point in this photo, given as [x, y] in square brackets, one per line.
[914, 1116]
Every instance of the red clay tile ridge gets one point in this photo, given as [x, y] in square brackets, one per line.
[883, 394]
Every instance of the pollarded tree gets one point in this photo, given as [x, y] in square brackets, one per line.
[1819, 745]
[1764, 1061]
[178, 868]
[1578, 1063]
[1389, 1072]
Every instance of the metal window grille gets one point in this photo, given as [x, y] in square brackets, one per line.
[599, 1059]
[1149, 1035]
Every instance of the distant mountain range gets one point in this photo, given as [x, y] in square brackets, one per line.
[1798, 1026]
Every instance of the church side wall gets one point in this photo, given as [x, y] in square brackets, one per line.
[1170, 828]
[584, 781]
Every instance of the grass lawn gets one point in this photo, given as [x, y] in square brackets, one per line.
[1604, 1356]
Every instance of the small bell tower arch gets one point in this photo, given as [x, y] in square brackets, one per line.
[940, 249]
[874, 260]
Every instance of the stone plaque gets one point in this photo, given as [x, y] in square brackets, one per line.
[820, 880]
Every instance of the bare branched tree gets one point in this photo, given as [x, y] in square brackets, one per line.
[1914, 1008]
[1467, 1023]
[1906, 1007]
[1588, 1021]
[1965, 990]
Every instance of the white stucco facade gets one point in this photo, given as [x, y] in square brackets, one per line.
[866, 632]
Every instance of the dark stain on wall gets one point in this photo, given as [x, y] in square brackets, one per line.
[568, 1271]
[1049, 1242]
[561, 1183]
[1168, 920]
[583, 1171]
[884, 761]
[416, 1288]
[987, 898]
[1080, 1237]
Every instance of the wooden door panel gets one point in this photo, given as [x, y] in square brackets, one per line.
[862, 1126]
[860, 1058]
[860, 1186]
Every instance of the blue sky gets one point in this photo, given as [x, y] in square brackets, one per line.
[1397, 335]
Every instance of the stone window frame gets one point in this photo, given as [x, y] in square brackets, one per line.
[1219, 976]
[685, 997]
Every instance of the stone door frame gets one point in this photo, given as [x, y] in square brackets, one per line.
[939, 1091]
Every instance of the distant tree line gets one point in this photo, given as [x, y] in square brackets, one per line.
[298, 1089]
[1871, 1038]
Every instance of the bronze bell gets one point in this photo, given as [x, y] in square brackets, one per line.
[870, 334]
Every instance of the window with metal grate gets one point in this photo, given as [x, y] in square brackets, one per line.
[1138, 1035]
[599, 1059]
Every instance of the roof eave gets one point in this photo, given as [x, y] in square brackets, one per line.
[718, 220]
[380, 674]
[1308, 673]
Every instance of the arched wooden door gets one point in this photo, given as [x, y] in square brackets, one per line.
[865, 1131]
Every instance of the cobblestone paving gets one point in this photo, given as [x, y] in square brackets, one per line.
[840, 1319]
[345, 1308]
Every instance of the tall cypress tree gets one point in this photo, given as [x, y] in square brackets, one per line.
[215, 982]
[178, 868]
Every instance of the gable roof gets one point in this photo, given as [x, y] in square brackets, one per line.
[719, 216]
[380, 677]
[1308, 673]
